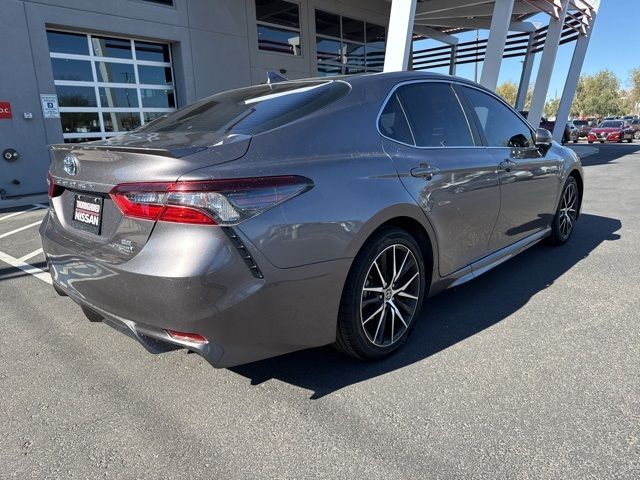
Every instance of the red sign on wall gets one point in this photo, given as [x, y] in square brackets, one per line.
[5, 110]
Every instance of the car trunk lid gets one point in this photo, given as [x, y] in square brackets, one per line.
[85, 174]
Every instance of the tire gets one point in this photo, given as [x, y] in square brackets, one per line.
[637, 135]
[601, 141]
[575, 141]
[566, 214]
[375, 322]
[630, 140]
[589, 141]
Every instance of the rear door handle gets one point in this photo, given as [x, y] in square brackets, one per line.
[507, 165]
[424, 171]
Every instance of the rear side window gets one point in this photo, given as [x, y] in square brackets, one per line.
[501, 126]
[250, 111]
[435, 115]
[393, 122]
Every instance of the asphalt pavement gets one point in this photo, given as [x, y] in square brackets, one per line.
[530, 372]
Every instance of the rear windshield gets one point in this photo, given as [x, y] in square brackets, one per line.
[610, 124]
[580, 122]
[250, 111]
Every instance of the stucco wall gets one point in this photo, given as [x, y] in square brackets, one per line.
[214, 48]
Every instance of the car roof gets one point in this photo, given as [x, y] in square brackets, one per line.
[392, 77]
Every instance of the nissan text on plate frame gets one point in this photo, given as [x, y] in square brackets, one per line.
[297, 214]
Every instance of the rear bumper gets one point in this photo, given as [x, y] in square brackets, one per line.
[193, 279]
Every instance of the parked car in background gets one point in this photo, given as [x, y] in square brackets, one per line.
[628, 118]
[278, 217]
[583, 127]
[611, 131]
[549, 125]
[635, 124]
[574, 132]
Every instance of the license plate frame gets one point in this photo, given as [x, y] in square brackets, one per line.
[88, 215]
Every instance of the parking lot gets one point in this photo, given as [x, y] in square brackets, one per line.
[531, 371]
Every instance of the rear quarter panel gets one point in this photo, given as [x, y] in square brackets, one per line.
[356, 187]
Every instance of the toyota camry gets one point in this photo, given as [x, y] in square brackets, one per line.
[296, 214]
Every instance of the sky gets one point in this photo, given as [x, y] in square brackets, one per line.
[614, 45]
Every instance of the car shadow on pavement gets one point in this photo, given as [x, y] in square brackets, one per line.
[446, 319]
[608, 153]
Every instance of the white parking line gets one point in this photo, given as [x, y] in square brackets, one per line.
[6, 234]
[25, 267]
[30, 255]
[36, 206]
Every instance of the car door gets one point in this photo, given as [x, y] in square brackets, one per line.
[433, 147]
[529, 177]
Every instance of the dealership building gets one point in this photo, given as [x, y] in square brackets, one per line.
[82, 70]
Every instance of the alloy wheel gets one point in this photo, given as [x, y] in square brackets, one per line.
[568, 210]
[390, 295]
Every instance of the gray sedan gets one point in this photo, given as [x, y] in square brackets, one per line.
[290, 215]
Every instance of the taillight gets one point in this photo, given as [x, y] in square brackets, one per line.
[211, 202]
[53, 190]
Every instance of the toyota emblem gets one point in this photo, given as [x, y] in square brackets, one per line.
[70, 164]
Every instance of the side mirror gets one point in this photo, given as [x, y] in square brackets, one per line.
[543, 139]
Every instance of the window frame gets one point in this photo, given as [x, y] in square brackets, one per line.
[344, 41]
[280, 27]
[473, 129]
[469, 110]
[94, 61]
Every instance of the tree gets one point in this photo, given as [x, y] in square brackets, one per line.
[634, 89]
[598, 95]
[508, 91]
[551, 107]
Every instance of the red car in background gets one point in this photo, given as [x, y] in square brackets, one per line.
[611, 131]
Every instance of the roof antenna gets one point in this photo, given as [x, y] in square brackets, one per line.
[273, 77]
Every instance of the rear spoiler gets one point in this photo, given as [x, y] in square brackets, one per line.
[161, 152]
[116, 148]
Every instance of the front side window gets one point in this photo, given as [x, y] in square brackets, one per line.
[345, 45]
[107, 85]
[501, 127]
[435, 116]
[278, 24]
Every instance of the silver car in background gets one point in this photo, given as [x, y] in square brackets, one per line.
[297, 214]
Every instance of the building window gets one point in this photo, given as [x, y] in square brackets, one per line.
[109, 85]
[278, 24]
[345, 45]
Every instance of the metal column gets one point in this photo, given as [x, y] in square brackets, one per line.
[399, 37]
[546, 65]
[570, 85]
[525, 76]
[500, 21]
[453, 58]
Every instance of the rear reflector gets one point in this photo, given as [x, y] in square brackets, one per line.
[212, 202]
[187, 337]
